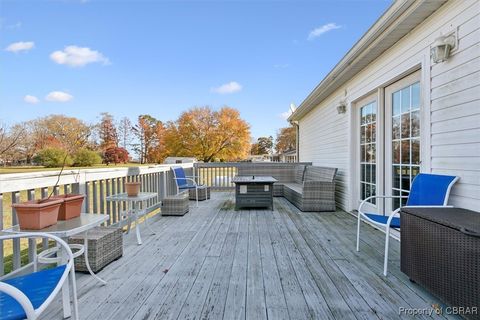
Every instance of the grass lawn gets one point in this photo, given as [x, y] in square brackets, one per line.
[20, 169]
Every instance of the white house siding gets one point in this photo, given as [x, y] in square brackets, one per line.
[451, 95]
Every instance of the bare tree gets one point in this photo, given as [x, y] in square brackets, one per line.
[125, 132]
[9, 139]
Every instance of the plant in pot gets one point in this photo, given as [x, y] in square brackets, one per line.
[39, 214]
[133, 187]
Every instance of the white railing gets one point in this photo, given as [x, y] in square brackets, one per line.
[95, 184]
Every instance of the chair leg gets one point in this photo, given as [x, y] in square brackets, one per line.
[196, 195]
[358, 231]
[75, 315]
[387, 240]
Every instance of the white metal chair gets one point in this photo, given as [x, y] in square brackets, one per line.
[428, 190]
[185, 183]
[27, 296]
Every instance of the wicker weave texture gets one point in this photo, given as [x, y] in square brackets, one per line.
[105, 245]
[176, 205]
[203, 193]
[443, 260]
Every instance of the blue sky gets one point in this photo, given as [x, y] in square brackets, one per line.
[81, 58]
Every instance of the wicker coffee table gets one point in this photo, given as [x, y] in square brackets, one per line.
[253, 191]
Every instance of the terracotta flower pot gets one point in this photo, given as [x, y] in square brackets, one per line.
[132, 188]
[71, 206]
[37, 214]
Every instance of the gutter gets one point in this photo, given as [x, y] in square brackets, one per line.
[374, 35]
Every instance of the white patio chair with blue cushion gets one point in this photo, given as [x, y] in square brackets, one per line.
[185, 182]
[27, 296]
[428, 190]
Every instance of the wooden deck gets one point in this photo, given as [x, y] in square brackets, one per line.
[217, 263]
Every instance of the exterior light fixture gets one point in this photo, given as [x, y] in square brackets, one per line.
[441, 48]
[342, 107]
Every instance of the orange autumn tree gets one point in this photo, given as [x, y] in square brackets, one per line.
[209, 135]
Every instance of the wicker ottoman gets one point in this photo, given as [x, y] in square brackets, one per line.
[105, 245]
[203, 193]
[176, 205]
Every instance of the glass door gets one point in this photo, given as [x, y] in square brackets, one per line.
[368, 151]
[402, 133]
[368, 135]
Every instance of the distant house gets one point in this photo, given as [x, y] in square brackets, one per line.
[288, 156]
[173, 160]
[389, 110]
[259, 158]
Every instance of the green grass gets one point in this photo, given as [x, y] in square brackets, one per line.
[8, 260]
[22, 169]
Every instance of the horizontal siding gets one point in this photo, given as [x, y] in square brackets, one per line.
[455, 115]
[454, 105]
[326, 145]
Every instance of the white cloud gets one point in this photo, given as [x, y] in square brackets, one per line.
[78, 56]
[17, 25]
[20, 46]
[58, 96]
[317, 32]
[281, 66]
[31, 99]
[226, 88]
[286, 114]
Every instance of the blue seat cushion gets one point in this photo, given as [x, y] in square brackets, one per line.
[188, 186]
[36, 286]
[383, 219]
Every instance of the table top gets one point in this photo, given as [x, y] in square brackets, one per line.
[254, 179]
[142, 196]
[67, 228]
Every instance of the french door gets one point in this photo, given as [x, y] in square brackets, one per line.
[389, 143]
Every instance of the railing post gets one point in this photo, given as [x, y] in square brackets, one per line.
[83, 189]
[2, 270]
[32, 243]
[16, 242]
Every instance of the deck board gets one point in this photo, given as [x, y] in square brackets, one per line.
[218, 263]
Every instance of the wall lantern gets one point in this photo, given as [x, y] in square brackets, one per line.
[342, 107]
[441, 48]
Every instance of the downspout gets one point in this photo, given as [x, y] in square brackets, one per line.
[297, 138]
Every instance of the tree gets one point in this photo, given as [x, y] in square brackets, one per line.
[286, 139]
[53, 157]
[264, 145]
[209, 135]
[60, 131]
[150, 134]
[107, 132]
[86, 158]
[125, 132]
[115, 155]
[9, 141]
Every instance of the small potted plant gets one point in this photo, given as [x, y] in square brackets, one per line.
[132, 188]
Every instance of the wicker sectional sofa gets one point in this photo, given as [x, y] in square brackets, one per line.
[309, 188]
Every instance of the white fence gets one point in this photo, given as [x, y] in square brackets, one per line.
[95, 184]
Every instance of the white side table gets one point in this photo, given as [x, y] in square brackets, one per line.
[135, 209]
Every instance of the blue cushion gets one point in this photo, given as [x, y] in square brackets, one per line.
[383, 219]
[36, 286]
[429, 190]
[180, 175]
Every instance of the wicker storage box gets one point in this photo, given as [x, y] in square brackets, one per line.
[176, 205]
[440, 250]
[203, 193]
[105, 245]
